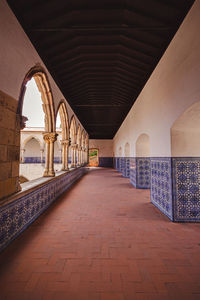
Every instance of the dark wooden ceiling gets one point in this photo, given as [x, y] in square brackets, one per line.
[100, 52]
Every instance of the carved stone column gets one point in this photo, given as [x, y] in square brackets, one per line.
[73, 155]
[41, 155]
[22, 155]
[65, 154]
[49, 138]
[60, 158]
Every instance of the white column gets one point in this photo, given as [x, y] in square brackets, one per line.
[22, 155]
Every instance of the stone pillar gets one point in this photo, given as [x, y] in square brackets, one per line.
[65, 154]
[79, 155]
[73, 155]
[60, 158]
[49, 138]
[22, 155]
[41, 155]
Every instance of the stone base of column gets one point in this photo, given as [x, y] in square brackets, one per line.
[49, 174]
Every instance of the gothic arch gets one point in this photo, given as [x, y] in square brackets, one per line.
[62, 110]
[83, 139]
[72, 130]
[79, 135]
[41, 79]
[30, 137]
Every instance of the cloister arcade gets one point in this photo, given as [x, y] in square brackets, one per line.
[52, 144]
[117, 83]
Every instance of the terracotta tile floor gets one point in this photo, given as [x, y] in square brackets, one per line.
[103, 240]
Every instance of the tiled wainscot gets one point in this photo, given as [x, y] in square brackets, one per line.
[126, 170]
[140, 172]
[24, 207]
[186, 189]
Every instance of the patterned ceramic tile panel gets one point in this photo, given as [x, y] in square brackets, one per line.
[36, 160]
[133, 171]
[186, 189]
[32, 160]
[16, 216]
[143, 169]
[126, 171]
[161, 185]
[106, 162]
[122, 164]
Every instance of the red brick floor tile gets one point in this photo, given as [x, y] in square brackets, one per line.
[103, 240]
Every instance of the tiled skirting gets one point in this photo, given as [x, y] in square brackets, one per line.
[126, 169]
[106, 162]
[140, 172]
[186, 189]
[174, 183]
[161, 185]
[25, 207]
[37, 160]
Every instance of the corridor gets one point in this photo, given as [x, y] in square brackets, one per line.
[103, 240]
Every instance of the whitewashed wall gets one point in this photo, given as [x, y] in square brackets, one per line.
[172, 88]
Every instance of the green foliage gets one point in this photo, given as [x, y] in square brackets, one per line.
[93, 153]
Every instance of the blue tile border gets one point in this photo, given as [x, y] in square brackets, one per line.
[106, 162]
[161, 185]
[143, 172]
[37, 160]
[17, 215]
[186, 189]
[126, 169]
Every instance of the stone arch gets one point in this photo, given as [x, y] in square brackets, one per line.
[79, 135]
[127, 150]
[143, 146]
[41, 79]
[83, 138]
[72, 130]
[62, 110]
[185, 133]
[29, 138]
[42, 82]
[32, 149]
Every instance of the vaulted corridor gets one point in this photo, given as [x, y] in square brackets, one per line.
[103, 240]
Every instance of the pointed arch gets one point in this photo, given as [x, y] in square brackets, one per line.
[41, 79]
[62, 110]
[79, 135]
[83, 139]
[30, 137]
[72, 130]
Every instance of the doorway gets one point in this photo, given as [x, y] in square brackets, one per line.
[93, 157]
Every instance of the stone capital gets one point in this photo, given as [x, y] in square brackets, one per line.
[65, 142]
[74, 146]
[50, 137]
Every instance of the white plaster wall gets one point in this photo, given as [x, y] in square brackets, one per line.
[185, 133]
[34, 171]
[18, 56]
[171, 89]
[105, 147]
[32, 148]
